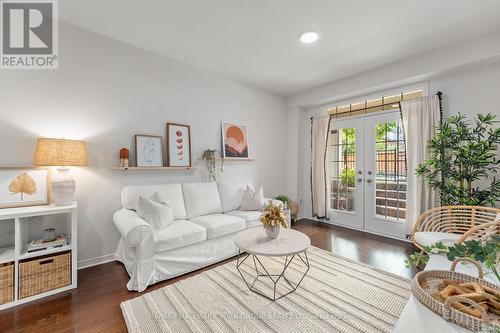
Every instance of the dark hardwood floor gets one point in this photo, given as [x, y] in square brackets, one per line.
[95, 305]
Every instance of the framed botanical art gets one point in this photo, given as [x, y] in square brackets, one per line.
[24, 186]
[234, 141]
[178, 145]
[148, 150]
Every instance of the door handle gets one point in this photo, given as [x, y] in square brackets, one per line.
[360, 180]
[369, 181]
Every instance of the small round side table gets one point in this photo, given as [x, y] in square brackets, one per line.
[291, 244]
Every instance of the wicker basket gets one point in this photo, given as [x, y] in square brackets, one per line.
[6, 282]
[43, 274]
[425, 281]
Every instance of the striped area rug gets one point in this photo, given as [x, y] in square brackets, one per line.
[337, 295]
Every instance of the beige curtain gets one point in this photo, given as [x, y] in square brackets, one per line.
[420, 118]
[319, 140]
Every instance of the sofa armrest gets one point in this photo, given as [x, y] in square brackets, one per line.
[138, 248]
[133, 229]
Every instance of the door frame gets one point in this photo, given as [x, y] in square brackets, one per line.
[365, 219]
[372, 222]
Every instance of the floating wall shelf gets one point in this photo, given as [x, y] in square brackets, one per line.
[156, 168]
[232, 159]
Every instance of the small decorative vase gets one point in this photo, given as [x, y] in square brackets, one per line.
[272, 232]
[49, 235]
[124, 155]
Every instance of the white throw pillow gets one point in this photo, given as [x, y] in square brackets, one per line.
[231, 194]
[157, 214]
[253, 200]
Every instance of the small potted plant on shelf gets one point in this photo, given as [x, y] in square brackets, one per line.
[210, 156]
[272, 219]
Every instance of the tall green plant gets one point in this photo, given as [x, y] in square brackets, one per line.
[462, 155]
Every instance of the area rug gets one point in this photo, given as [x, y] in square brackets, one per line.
[337, 295]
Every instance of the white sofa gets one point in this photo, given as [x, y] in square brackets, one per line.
[206, 221]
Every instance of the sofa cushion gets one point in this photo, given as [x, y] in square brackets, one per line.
[171, 193]
[219, 224]
[178, 234]
[251, 217]
[201, 199]
[231, 194]
[253, 199]
[428, 238]
[157, 215]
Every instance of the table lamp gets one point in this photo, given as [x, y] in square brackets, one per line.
[62, 154]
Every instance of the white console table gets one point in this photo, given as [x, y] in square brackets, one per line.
[417, 318]
[23, 219]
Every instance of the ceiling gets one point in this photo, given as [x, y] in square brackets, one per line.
[257, 41]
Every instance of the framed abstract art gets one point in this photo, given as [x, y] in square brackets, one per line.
[178, 145]
[234, 141]
[24, 186]
[148, 150]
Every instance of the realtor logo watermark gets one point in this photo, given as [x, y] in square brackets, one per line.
[29, 34]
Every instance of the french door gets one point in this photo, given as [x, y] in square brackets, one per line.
[367, 173]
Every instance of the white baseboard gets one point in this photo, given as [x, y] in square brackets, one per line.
[95, 261]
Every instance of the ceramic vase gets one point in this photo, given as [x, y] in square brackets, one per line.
[272, 232]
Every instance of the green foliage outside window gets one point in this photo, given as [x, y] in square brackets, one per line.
[347, 177]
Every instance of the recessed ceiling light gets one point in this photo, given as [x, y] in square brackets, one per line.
[309, 37]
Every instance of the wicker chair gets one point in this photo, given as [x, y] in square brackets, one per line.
[481, 232]
[448, 223]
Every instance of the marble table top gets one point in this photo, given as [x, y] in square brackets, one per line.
[288, 242]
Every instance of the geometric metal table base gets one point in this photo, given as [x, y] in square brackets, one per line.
[274, 278]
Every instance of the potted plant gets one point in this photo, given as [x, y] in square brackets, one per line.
[463, 154]
[293, 206]
[210, 157]
[272, 219]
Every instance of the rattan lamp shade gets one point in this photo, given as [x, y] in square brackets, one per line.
[60, 152]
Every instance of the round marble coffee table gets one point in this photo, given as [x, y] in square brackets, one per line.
[290, 244]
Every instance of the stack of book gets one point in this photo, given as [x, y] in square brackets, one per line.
[40, 244]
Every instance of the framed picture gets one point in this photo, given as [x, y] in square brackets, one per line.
[178, 145]
[148, 150]
[24, 186]
[234, 141]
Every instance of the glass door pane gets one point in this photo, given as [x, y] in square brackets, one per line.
[385, 181]
[345, 158]
[343, 169]
[390, 171]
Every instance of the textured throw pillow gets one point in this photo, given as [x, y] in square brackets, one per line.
[157, 215]
[253, 200]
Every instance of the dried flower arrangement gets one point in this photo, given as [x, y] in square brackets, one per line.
[273, 216]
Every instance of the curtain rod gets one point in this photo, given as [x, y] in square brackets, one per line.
[439, 95]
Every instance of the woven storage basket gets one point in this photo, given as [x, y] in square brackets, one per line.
[43, 274]
[422, 291]
[6, 282]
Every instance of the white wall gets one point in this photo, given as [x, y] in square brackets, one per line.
[105, 92]
[469, 89]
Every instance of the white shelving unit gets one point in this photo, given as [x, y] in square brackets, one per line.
[24, 218]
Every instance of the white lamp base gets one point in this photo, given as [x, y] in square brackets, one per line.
[63, 188]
